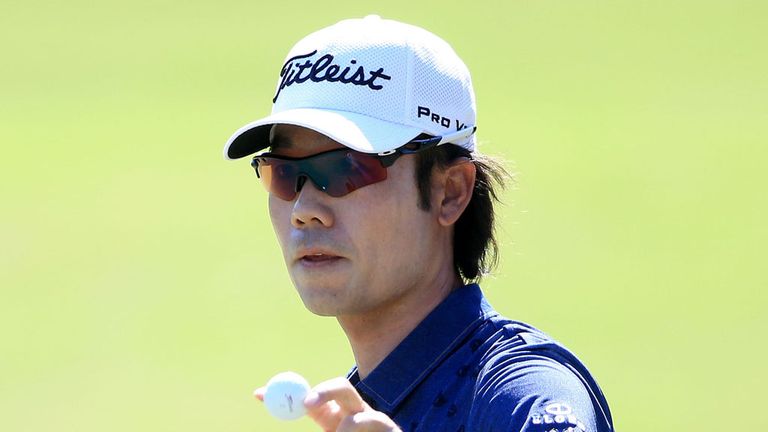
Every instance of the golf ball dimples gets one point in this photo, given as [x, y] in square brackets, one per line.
[285, 395]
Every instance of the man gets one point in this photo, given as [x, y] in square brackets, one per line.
[383, 209]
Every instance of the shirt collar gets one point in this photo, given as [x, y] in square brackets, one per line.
[424, 348]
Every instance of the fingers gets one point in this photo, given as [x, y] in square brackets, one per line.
[327, 416]
[368, 421]
[339, 390]
[259, 393]
[330, 402]
[335, 405]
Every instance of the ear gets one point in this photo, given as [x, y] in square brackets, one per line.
[456, 183]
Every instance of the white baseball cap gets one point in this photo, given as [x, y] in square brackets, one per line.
[372, 85]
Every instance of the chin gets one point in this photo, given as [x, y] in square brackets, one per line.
[321, 311]
[321, 300]
[322, 306]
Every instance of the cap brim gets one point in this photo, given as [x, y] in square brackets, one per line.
[358, 132]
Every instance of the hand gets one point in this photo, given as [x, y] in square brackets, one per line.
[336, 406]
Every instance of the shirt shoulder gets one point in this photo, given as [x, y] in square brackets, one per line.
[528, 382]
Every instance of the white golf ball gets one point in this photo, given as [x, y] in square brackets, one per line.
[285, 395]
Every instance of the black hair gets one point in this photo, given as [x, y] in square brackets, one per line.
[475, 248]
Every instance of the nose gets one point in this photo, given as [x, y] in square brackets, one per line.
[311, 206]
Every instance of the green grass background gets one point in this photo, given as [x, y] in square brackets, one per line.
[141, 285]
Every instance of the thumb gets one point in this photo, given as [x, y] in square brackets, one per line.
[259, 393]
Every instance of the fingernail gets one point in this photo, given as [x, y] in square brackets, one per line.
[311, 399]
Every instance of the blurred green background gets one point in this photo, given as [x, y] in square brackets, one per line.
[141, 284]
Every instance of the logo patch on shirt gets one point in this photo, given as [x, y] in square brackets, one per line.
[557, 417]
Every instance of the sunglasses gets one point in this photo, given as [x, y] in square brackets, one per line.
[337, 172]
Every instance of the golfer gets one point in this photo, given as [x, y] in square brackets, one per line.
[383, 208]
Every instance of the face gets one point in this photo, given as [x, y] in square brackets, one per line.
[360, 252]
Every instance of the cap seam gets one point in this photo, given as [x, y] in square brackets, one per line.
[408, 82]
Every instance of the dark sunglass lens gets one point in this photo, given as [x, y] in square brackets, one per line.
[337, 172]
[351, 171]
[278, 177]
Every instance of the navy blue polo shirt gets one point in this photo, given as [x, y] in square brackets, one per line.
[466, 368]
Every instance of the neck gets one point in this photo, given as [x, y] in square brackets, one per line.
[374, 334]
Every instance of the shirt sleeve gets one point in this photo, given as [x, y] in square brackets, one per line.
[530, 394]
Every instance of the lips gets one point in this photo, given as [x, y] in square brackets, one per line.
[316, 257]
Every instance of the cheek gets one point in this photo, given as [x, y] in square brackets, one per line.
[390, 223]
[280, 215]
